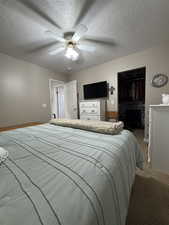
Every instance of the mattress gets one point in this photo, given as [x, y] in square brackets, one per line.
[63, 176]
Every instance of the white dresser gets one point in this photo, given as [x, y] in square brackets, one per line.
[159, 137]
[92, 110]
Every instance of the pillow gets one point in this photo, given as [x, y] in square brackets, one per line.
[91, 125]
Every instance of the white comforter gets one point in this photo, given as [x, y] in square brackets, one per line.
[62, 176]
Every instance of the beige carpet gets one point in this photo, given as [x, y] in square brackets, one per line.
[149, 203]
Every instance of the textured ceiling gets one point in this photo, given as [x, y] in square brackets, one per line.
[121, 26]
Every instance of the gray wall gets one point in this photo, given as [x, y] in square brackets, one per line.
[155, 59]
[24, 87]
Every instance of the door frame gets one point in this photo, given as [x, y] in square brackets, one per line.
[145, 109]
[75, 106]
[57, 84]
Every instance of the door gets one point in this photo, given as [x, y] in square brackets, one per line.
[53, 89]
[60, 102]
[70, 100]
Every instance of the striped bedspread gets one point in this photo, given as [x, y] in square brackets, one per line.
[63, 176]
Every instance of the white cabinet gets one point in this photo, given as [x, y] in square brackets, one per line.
[92, 110]
[159, 137]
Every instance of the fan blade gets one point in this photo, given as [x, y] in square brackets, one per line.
[84, 10]
[56, 51]
[82, 29]
[31, 10]
[86, 48]
[102, 41]
[41, 49]
[37, 10]
[55, 36]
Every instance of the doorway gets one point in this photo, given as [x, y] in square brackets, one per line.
[131, 98]
[63, 99]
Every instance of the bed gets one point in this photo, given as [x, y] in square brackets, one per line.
[57, 175]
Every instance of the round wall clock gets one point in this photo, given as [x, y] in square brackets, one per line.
[159, 80]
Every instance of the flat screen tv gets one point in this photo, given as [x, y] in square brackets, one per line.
[96, 90]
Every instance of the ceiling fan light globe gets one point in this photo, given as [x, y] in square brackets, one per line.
[71, 54]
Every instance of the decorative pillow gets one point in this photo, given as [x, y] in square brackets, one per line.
[91, 125]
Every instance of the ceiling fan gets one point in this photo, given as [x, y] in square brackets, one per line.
[71, 43]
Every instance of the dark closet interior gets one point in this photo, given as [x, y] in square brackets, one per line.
[131, 98]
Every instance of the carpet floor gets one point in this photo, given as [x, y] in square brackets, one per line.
[149, 202]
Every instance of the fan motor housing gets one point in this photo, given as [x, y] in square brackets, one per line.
[68, 35]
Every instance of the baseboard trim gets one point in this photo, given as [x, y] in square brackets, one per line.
[20, 126]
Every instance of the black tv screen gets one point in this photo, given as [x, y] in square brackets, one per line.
[95, 90]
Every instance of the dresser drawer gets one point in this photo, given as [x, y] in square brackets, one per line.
[89, 104]
[91, 110]
[87, 117]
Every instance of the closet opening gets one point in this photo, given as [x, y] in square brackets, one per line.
[131, 98]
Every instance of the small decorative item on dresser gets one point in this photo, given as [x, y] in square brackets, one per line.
[159, 80]
[165, 99]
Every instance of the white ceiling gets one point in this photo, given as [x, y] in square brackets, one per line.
[126, 26]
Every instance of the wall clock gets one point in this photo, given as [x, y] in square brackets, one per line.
[159, 80]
